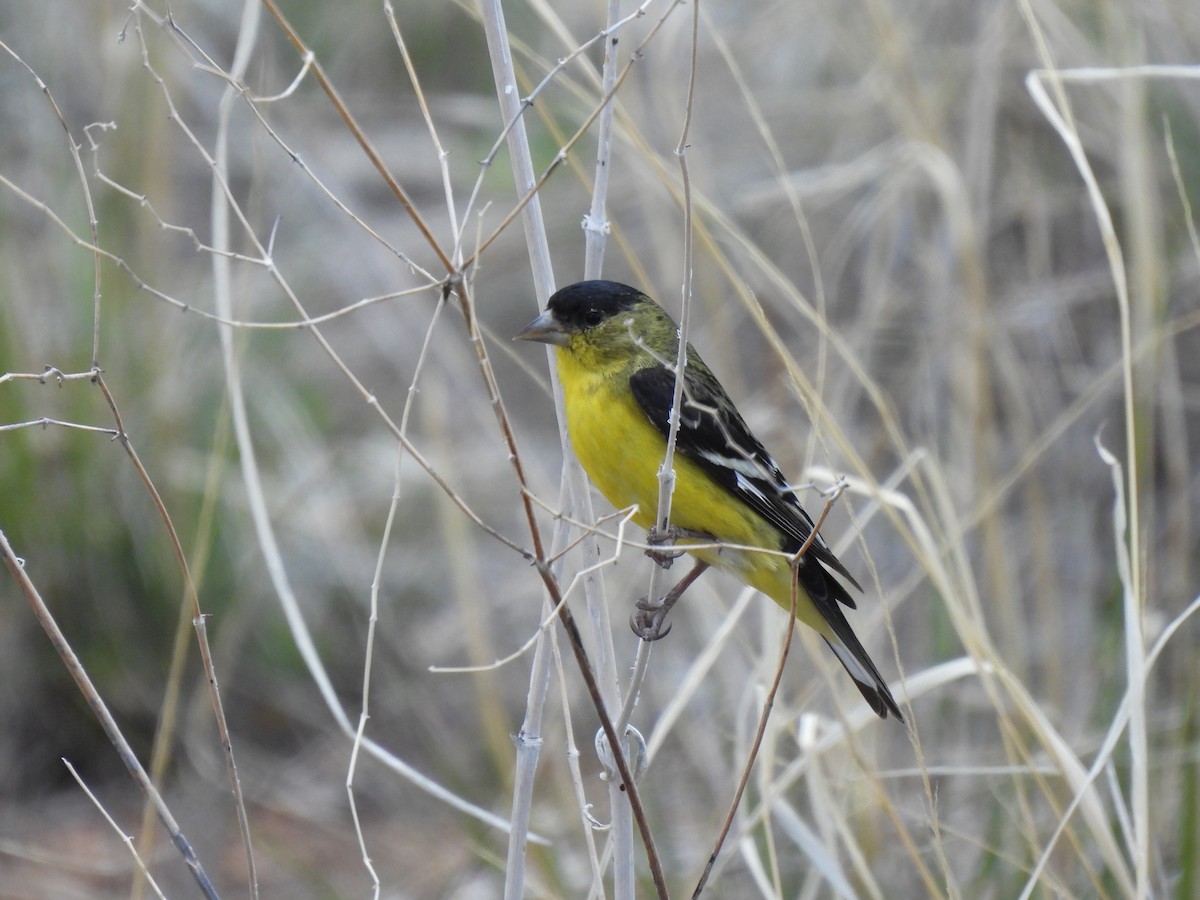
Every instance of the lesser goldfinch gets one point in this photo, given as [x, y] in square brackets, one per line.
[616, 353]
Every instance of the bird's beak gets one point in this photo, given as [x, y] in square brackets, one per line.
[546, 329]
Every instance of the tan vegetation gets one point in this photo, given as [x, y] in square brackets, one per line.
[942, 251]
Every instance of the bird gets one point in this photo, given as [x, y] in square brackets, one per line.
[616, 352]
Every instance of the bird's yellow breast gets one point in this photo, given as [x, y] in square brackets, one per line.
[622, 452]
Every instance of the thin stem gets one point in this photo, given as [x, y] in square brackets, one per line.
[16, 569]
[797, 561]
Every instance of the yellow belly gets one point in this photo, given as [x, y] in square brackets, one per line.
[622, 451]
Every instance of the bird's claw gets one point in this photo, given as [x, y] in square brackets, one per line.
[664, 558]
[649, 621]
[664, 537]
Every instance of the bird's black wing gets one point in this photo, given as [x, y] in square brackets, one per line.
[713, 435]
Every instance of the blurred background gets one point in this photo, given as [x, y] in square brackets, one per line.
[899, 276]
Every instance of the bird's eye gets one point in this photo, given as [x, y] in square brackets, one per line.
[592, 318]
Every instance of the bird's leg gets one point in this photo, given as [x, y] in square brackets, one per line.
[666, 537]
[647, 622]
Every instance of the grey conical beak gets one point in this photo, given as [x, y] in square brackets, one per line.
[546, 329]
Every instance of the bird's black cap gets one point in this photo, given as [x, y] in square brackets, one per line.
[586, 304]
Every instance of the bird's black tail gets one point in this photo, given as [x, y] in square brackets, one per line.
[853, 656]
[829, 596]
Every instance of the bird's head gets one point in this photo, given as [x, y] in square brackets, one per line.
[604, 320]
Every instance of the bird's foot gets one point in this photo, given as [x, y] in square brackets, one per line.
[647, 623]
[658, 537]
